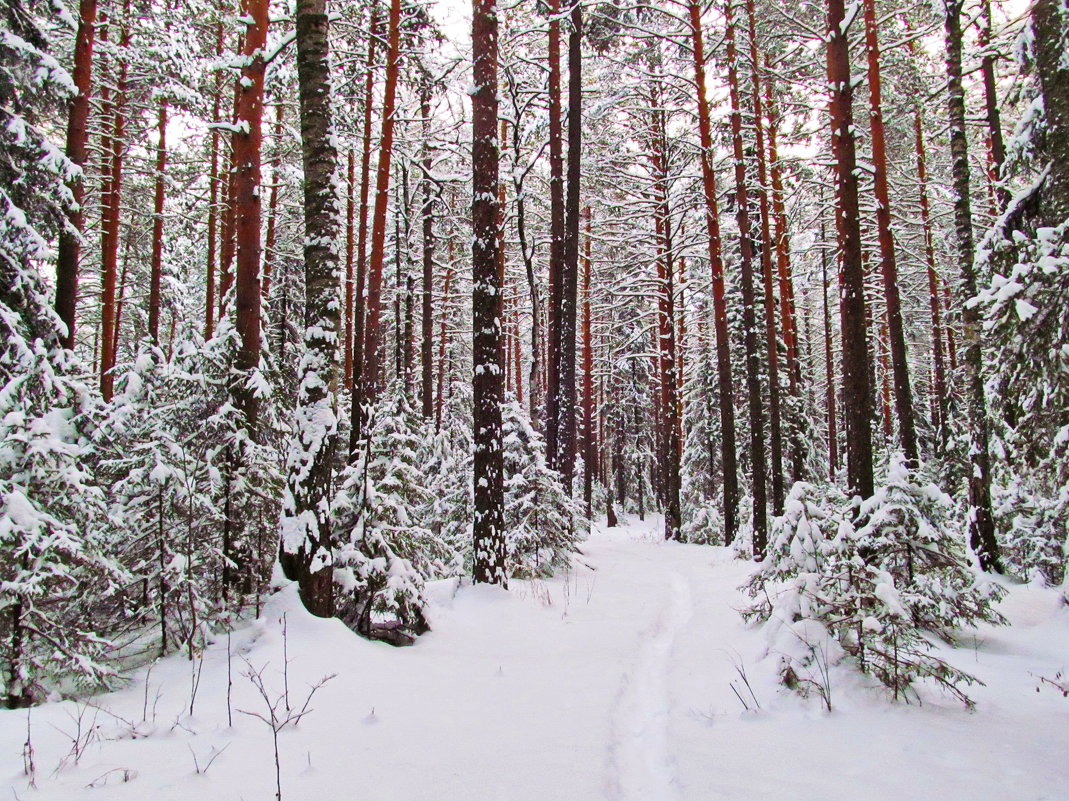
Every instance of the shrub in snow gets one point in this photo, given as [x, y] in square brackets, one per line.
[875, 583]
[1034, 532]
[543, 525]
[385, 550]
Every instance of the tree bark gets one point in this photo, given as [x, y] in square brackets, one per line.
[556, 241]
[903, 392]
[427, 319]
[749, 320]
[159, 195]
[489, 489]
[981, 519]
[77, 149]
[728, 453]
[371, 374]
[775, 415]
[359, 316]
[857, 391]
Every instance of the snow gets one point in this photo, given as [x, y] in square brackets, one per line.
[617, 681]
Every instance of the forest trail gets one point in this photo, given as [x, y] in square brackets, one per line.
[632, 678]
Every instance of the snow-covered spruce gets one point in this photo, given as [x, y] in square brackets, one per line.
[543, 524]
[872, 583]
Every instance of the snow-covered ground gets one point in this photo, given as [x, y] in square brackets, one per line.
[616, 682]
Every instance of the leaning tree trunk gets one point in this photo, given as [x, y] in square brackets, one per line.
[857, 392]
[306, 535]
[77, 150]
[728, 454]
[489, 525]
[981, 519]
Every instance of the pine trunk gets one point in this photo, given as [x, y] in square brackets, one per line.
[903, 392]
[156, 268]
[857, 391]
[758, 464]
[728, 453]
[981, 519]
[489, 489]
[77, 150]
[556, 241]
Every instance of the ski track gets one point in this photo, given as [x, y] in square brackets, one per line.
[642, 765]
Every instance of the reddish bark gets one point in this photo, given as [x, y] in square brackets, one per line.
[556, 238]
[111, 218]
[77, 141]
[857, 392]
[247, 144]
[588, 377]
[749, 319]
[371, 374]
[903, 392]
[775, 425]
[728, 453]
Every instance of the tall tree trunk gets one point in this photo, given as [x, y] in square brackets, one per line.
[213, 191]
[588, 377]
[306, 534]
[427, 320]
[112, 213]
[775, 423]
[569, 278]
[488, 527]
[371, 374]
[728, 454]
[247, 143]
[749, 319]
[783, 270]
[556, 241]
[156, 269]
[981, 520]
[991, 110]
[77, 142]
[829, 358]
[939, 393]
[359, 317]
[271, 234]
[907, 430]
[857, 392]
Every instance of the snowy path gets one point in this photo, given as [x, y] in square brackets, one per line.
[614, 683]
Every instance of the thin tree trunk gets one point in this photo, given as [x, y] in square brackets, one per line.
[775, 423]
[156, 269]
[427, 320]
[272, 207]
[77, 142]
[357, 387]
[857, 392]
[903, 392]
[110, 226]
[556, 241]
[728, 454]
[749, 320]
[981, 519]
[489, 488]
[569, 278]
[213, 197]
[371, 374]
[991, 110]
[588, 378]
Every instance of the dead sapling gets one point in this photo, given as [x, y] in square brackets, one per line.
[276, 712]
